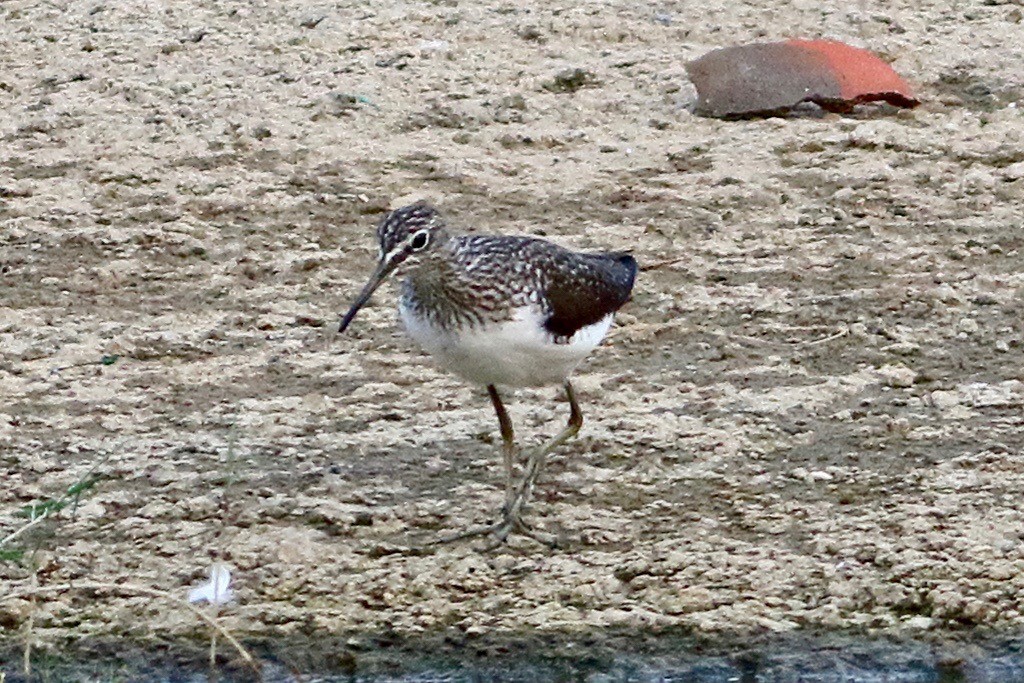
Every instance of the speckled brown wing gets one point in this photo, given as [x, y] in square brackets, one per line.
[581, 289]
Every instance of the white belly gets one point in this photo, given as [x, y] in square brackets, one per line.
[516, 353]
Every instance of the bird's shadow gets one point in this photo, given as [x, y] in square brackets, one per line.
[437, 491]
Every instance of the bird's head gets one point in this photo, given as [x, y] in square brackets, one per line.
[405, 235]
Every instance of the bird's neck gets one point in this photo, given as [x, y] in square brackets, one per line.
[436, 288]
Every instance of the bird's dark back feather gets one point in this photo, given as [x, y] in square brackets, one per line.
[592, 287]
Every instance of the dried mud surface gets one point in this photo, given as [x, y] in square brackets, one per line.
[809, 418]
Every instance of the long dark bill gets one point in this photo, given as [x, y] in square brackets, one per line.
[384, 269]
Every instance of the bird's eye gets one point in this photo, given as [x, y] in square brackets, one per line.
[420, 240]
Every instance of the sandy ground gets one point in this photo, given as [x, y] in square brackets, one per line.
[810, 417]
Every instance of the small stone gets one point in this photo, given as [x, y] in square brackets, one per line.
[15, 612]
[903, 348]
[1002, 346]
[859, 330]
[312, 21]
[509, 109]
[530, 32]
[398, 60]
[898, 376]
[570, 80]
[363, 519]
[945, 400]
[516, 101]
[340, 103]
[946, 294]
[967, 325]
[429, 46]
[919, 622]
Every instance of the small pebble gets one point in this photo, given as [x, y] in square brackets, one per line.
[434, 46]
[312, 21]
[570, 80]
[530, 32]
[919, 622]
[968, 325]
[899, 376]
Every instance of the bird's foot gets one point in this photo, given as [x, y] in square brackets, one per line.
[514, 524]
[499, 532]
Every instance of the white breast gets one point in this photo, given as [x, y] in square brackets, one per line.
[516, 353]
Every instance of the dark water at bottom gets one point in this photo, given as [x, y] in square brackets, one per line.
[966, 658]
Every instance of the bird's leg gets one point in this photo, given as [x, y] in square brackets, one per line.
[508, 452]
[513, 512]
[508, 445]
[512, 517]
